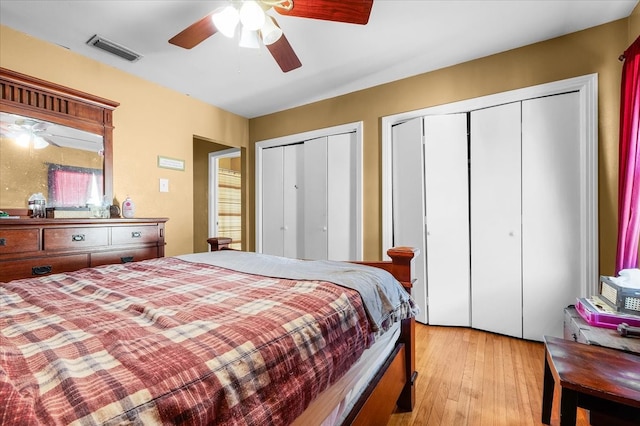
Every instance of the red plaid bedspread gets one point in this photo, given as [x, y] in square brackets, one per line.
[169, 342]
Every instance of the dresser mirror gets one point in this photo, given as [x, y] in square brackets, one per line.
[65, 164]
[53, 140]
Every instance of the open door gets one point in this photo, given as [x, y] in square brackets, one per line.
[225, 196]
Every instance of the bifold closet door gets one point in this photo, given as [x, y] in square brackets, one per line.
[282, 200]
[551, 214]
[342, 202]
[496, 268]
[315, 200]
[447, 218]
[330, 197]
[272, 201]
[408, 201]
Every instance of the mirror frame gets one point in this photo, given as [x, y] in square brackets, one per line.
[31, 97]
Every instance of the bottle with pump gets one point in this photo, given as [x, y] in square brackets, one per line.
[128, 208]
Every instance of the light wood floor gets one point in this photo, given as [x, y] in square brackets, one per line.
[471, 377]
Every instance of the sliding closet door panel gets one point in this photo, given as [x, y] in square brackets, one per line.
[272, 201]
[315, 199]
[341, 202]
[408, 200]
[293, 234]
[496, 280]
[447, 212]
[551, 188]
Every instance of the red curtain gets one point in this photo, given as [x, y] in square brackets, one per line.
[629, 166]
[71, 188]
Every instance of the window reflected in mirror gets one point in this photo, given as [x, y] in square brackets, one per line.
[62, 163]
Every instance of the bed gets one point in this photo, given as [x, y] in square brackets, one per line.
[222, 337]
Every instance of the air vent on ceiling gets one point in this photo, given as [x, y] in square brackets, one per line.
[113, 48]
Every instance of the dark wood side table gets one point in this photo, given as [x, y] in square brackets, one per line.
[592, 377]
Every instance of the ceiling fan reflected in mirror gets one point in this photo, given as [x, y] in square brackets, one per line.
[38, 134]
[26, 132]
[250, 19]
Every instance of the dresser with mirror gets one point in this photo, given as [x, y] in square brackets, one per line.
[57, 142]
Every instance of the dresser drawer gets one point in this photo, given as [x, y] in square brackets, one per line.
[37, 267]
[134, 234]
[19, 240]
[123, 256]
[572, 327]
[75, 238]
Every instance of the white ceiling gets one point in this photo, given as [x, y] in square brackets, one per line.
[403, 38]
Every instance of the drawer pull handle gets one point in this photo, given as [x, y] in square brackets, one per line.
[41, 270]
[3, 242]
[136, 234]
[77, 237]
[127, 259]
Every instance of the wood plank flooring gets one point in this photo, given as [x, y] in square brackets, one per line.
[471, 377]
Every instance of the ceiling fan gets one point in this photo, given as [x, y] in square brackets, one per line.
[26, 132]
[38, 134]
[250, 18]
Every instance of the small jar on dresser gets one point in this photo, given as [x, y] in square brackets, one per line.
[37, 247]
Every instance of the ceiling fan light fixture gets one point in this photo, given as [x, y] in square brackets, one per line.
[39, 142]
[226, 20]
[26, 139]
[251, 15]
[23, 139]
[270, 31]
[249, 38]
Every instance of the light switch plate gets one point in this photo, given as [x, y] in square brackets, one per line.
[164, 185]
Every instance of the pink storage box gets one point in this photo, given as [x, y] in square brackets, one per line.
[599, 318]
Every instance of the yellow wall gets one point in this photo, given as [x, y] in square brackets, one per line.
[594, 50]
[150, 121]
[634, 24]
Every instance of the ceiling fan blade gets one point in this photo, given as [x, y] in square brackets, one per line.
[284, 55]
[39, 126]
[50, 142]
[349, 11]
[195, 33]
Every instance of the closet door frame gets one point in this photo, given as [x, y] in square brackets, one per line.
[587, 87]
[355, 127]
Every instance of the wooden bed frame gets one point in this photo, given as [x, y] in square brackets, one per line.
[393, 385]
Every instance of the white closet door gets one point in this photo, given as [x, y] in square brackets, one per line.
[272, 201]
[408, 201]
[551, 159]
[293, 234]
[496, 282]
[342, 197]
[447, 211]
[315, 199]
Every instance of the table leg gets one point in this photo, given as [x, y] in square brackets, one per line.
[547, 393]
[568, 407]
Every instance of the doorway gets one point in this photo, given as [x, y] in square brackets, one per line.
[225, 196]
[329, 162]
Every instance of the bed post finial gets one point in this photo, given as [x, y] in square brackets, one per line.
[219, 243]
[402, 260]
